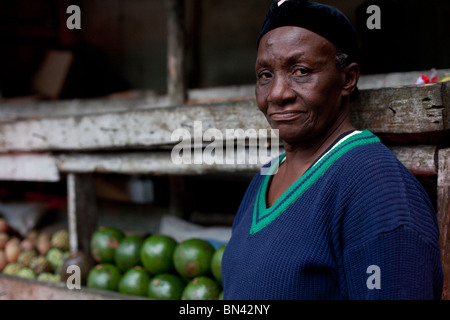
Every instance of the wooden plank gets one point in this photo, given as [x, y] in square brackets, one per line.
[151, 163]
[405, 110]
[81, 211]
[14, 288]
[28, 167]
[419, 160]
[443, 207]
[126, 130]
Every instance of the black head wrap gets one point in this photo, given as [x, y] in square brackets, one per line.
[324, 20]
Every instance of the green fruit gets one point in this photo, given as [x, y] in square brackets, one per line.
[216, 263]
[56, 258]
[48, 277]
[60, 240]
[104, 242]
[165, 286]
[12, 268]
[220, 296]
[104, 276]
[201, 288]
[128, 252]
[192, 258]
[26, 273]
[26, 256]
[157, 253]
[40, 264]
[135, 282]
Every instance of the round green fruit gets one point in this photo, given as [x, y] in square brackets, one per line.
[48, 277]
[166, 286]
[26, 273]
[201, 288]
[40, 264]
[26, 256]
[104, 276]
[135, 282]
[127, 254]
[216, 263]
[104, 242]
[56, 258]
[192, 258]
[12, 268]
[60, 240]
[157, 253]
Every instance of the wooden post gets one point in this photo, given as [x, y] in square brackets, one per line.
[82, 211]
[176, 51]
[176, 84]
[443, 207]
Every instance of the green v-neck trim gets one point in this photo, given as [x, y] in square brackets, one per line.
[263, 216]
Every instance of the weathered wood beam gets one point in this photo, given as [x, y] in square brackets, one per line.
[28, 167]
[443, 207]
[176, 52]
[15, 288]
[126, 129]
[156, 163]
[419, 160]
[405, 110]
[81, 211]
[402, 110]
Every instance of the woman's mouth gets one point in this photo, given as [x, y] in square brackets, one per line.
[285, 116]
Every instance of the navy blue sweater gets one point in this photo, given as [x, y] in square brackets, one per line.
[356, 225]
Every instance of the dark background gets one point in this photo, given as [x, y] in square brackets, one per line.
[122, 43]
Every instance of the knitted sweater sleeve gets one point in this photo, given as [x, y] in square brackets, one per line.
[389, 235]
[395, 265]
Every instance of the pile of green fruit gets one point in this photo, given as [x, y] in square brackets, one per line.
[156, 266]
[39, 255]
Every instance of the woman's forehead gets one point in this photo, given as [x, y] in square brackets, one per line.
[294, 42]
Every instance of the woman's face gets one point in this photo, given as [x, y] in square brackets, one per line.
[299, 88]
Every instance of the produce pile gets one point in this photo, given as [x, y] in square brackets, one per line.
[156, 266]
[37, 256]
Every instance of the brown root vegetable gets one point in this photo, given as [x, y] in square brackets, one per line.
[4, 237]
[3, 261]
[27, 244]
[12, 249]
[43, 243]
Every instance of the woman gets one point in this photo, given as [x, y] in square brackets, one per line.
[340, 217]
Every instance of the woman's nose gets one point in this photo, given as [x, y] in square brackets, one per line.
[281, 91]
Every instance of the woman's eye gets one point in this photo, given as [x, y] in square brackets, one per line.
[300, 72]
[265, 76]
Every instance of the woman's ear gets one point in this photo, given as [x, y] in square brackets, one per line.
[351, 72]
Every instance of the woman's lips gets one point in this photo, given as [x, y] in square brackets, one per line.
[285, 116]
